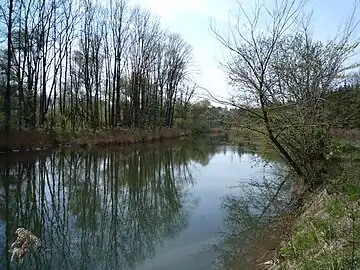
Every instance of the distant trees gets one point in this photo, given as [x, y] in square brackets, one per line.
[202, 116]
[81, 64]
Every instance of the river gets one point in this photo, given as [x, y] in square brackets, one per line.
[156, 206]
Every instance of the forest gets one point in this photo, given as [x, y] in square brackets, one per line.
[74, 65]
[81, 66]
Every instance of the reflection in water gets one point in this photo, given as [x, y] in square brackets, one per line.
[255, 220]
[99, 209]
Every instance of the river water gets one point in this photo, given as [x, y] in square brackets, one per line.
[155, 206]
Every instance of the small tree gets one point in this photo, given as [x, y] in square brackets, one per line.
[282, 76]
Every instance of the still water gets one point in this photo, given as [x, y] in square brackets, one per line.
[149, 207]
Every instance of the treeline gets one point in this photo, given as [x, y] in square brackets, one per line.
[80, 64]
[202, 116]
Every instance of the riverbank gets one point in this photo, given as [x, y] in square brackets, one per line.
[325, 234]
[26, 141]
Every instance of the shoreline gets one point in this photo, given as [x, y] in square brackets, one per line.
[37, 140]
[324, 218]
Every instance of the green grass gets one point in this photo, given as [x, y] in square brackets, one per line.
[335, 208]
[323, 238]
[327, 234]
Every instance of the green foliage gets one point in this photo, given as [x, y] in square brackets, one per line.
[201, 117]
[344, 107]
[324, 241]
[327, 262]
[57, 121]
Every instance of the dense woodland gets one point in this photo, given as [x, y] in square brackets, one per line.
[81, 64]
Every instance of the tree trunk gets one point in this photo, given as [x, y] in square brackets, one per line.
[8, 73]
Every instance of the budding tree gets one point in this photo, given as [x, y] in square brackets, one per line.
[282, 76]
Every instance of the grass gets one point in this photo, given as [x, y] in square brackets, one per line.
[38, 139]
[327, 233]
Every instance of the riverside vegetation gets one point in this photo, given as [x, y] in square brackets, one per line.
[99, 72]
[79, 72]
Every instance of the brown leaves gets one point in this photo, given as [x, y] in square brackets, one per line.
[24, 241]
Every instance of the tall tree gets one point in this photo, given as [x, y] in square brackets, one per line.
[8, 71]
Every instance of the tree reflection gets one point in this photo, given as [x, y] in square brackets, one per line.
[255, 220]
[101, 208]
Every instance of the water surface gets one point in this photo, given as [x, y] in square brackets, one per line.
[150, 207]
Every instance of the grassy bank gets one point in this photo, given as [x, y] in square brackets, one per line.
[326, 233]
[38, 139]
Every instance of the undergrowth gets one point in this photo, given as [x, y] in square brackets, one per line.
[326, 235]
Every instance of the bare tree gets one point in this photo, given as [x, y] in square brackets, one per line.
[281, 76]
[120, 20]
[83, 64]
[142, 55]
[185, 100]
[8, 71]
[178, 58]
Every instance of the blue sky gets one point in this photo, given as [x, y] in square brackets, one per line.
[191, 18]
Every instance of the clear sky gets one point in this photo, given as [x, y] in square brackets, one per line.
[191, 18]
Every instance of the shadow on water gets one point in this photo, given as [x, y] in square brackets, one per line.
[98, 208]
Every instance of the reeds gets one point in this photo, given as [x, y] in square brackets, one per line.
[40, 140]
